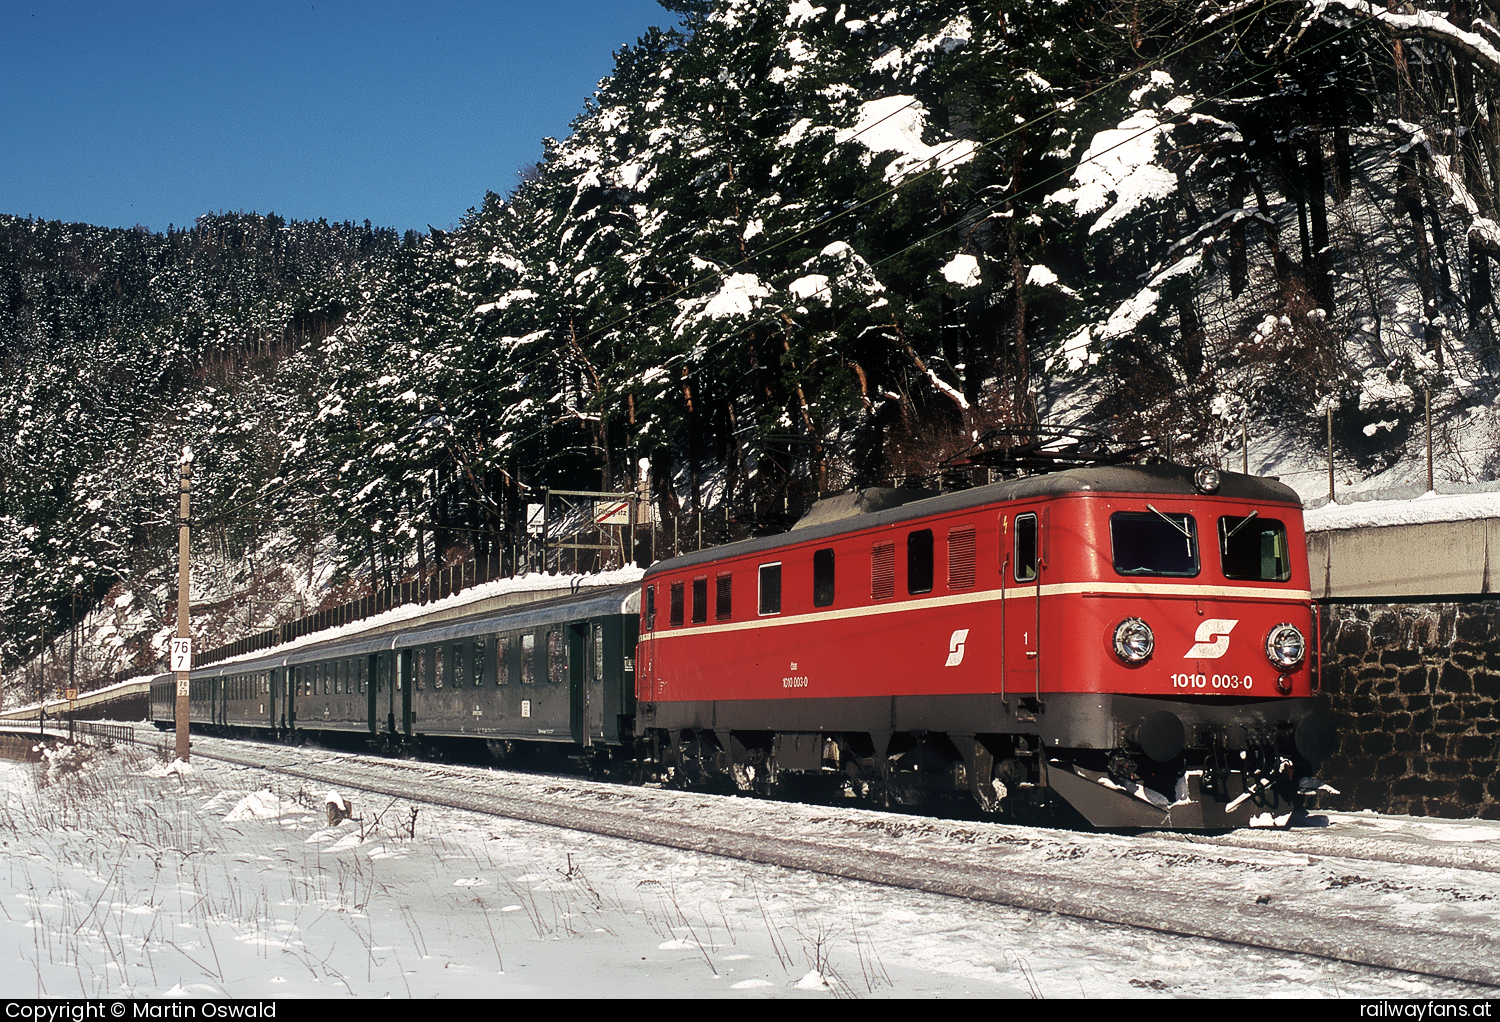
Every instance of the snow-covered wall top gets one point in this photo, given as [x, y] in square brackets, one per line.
[1423, 510]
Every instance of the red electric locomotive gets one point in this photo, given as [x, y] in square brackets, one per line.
[1139, 641]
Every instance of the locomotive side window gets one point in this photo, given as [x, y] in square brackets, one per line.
[883, 571]
[1152, 543]
[650, 608]
[770, 588]
[1254, 549]
[700, 600]
[961, 557]
[723, 595]
[674, 617]
[1025, 562]
[919, 561]
[823, 577]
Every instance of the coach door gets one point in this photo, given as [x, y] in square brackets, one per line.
[371, 688]
[1021, 606]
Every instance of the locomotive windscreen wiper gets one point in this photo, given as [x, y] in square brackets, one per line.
[1230, 534]
[1180, 528]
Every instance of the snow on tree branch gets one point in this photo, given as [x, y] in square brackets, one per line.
[1483, 231]
[1426, 25]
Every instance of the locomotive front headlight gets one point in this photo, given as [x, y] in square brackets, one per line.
[1285, 646]
[1134, 640]
[1206, 479]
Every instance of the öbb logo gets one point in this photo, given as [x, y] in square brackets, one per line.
[956, 647]
[1212, 639]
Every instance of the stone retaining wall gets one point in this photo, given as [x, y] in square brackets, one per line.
[1416, 686]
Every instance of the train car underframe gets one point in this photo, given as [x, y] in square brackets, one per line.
[1120, 761]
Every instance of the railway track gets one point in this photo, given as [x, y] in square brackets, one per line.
[1339, 894]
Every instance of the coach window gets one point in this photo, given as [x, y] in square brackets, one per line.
[481, 660]
[458, 665]
[723, 596]
[961, 557]
[504, 657]
[440, 664]
[919, 561]
[700, 600]
[770, 588]
[598, 652]
[528, 658]
[1152, 543]
[1254, 549]
[674, 617]
[1025, 548]
[557, 657]
[823, 577]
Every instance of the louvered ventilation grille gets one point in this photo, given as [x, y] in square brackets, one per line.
[883, 571]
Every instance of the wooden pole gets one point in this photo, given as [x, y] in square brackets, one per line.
[1428, 402]
[1330, 453]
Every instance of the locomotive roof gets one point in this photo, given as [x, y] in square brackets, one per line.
[1163, 480]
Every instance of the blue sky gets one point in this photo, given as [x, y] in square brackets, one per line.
[116, 112]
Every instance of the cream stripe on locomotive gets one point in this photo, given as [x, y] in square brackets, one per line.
[1187, 592]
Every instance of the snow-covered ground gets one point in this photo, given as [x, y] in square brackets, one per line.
[124, 877]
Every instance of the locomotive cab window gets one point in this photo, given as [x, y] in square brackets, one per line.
[823, 577]
[1152, 543]
[1254, 549]
[770, 588]
[1025, 562]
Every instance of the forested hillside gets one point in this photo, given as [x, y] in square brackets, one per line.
[789, 248]
[117, 348]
